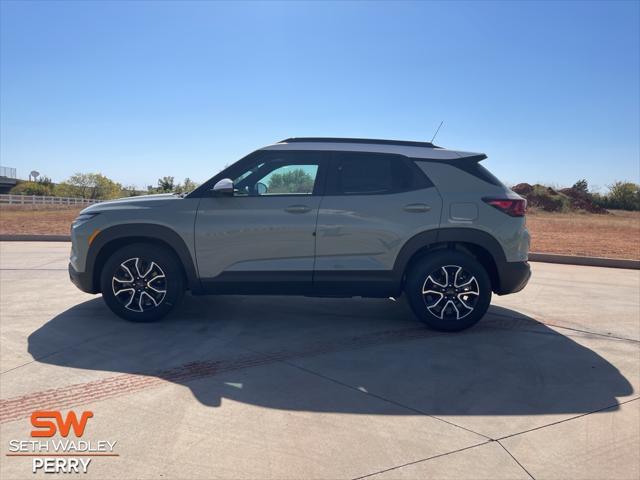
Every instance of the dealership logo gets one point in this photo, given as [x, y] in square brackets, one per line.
[45, 427]
[57, 445]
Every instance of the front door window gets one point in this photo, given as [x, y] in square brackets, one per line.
[278, 176]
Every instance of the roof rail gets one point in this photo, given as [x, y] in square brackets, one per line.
[403, 143]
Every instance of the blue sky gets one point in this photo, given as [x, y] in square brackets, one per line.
[550, 91]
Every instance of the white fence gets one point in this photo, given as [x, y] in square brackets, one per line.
[11, 199]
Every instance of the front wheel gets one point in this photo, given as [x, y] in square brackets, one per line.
[448, 290]
[142, 282]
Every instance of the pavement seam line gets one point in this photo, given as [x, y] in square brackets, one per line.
[32, 269]
[605, 335]
[516, 460]
[423, 460]
[566, 328]
[618, 404]
[601, 336]
[57, 352]
[384, 399]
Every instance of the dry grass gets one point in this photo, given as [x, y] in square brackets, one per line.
[616, 235]
[37, 219]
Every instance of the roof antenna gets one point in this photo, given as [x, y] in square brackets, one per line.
[437, 130]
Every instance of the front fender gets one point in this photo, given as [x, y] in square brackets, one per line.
[118, 235]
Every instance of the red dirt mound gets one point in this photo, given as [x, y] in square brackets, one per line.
[543, 198]
[523, 189]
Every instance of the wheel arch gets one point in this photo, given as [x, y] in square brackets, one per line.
[477, 243]
[113, 238]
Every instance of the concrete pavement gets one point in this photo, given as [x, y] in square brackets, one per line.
[546, 386]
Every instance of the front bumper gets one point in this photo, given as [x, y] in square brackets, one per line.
[514, 276]
[82, 280]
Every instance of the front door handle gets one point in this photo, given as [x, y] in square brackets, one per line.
[297, 209]
[417, 208]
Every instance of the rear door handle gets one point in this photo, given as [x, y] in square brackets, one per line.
[417, 208]
[297, 209]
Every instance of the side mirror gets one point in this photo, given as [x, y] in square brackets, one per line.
[223, 187]
[261, 188]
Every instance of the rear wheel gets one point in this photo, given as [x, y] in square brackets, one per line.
[142, 282]
[448, 290]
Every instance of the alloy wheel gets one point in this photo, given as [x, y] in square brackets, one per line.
[451, 292]
[140, 285]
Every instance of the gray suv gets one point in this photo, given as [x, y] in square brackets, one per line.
[335, 217]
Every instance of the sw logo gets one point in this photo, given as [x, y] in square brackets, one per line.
[45, 426]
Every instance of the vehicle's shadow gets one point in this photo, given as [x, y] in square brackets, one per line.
[261, 351]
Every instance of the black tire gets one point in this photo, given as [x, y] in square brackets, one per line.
[447, 308]
[163, 273]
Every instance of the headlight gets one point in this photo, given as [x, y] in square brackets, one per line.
[83, 218]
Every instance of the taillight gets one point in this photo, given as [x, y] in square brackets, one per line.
[512, 207]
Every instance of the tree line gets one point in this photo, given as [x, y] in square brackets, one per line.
[96, 186]
[621, 195]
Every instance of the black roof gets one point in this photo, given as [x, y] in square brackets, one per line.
[403, 143]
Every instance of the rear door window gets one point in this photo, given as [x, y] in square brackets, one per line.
[364, 173]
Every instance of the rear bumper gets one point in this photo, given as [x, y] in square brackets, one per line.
[82, 280]
[514, 276]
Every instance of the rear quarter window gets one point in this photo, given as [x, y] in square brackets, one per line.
[472, 168]
[482, 173]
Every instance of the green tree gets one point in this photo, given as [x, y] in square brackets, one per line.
[624, 195]
[186, 186]
[621, 196]
[294, 181]
[129, 191]
[165, 185]
[581, 186]
[89, 185]
[33, 188]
